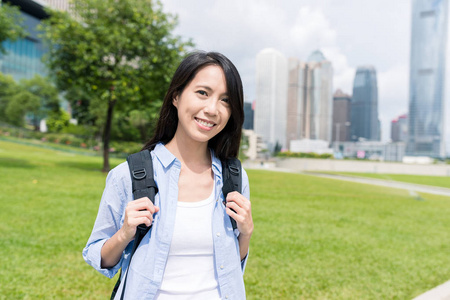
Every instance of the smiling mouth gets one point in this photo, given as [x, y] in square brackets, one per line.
[205, 123]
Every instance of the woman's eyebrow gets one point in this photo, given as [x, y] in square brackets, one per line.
[204, 87]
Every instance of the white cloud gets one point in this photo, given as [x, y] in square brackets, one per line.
[392, 96]
[343, 73]
[310, 31]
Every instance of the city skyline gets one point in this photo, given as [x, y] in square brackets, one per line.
[349, 33]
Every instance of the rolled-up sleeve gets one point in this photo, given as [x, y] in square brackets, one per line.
[108, 222]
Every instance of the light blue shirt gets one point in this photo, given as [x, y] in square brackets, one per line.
[147, 267]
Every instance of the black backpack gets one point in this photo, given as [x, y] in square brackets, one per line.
[143, 185]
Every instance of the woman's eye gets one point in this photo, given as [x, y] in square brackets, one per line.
[226, 100]
[203, 93]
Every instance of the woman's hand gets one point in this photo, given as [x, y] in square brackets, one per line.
[137, 212]
[240, 209]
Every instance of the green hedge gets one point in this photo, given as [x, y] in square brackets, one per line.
[119, 148]
[304, 155]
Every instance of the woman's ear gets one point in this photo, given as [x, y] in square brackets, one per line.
[175, 101]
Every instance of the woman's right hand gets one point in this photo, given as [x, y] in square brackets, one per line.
[137, 212]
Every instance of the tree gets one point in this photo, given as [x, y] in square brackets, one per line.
[48, 97]
[34, 97]
[121, 53]
[276, 149]
[10, 24]
[8, 87]
[19, 105]
[15, 102]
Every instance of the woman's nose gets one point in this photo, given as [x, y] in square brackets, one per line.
[211, 107]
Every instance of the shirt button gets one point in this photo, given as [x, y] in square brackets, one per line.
[221, 267]
[218, 234]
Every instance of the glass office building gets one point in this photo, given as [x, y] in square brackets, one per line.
[271, 97]
[365, 124]
[23, 58]
[427, 72]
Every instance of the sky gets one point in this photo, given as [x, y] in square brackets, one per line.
[350, 33]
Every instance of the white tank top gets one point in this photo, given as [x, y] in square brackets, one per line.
[190, 272]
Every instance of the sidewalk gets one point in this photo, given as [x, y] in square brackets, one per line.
[441, 292]
[411, 187]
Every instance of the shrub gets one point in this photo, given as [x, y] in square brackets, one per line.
[304, 155]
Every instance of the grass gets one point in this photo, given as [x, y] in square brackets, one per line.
[441, 181]
[314, 238]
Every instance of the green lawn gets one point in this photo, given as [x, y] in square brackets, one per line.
[314, 238]
[441, 181]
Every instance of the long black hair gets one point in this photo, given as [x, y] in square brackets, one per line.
[226, 143]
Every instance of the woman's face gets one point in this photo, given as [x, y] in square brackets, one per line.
[203, 106]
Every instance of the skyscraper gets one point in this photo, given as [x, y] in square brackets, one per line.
[364, 108]
[319, 97]
[341, 116]
[295, 105]
[426, 82]
[271, 97]
[310, 101]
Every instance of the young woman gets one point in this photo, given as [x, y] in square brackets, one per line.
[191, 250]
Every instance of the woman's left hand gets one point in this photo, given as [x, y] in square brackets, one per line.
[242, 213]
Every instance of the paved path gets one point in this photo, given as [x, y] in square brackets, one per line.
[411, 187]
[441, 292]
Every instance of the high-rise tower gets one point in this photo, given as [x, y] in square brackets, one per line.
[364, 108]
[341, 116]
[310, 99]
[271, 97]
[426, 81]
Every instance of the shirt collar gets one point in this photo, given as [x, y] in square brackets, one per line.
[164, 155]
[216, 164]
[166, 158]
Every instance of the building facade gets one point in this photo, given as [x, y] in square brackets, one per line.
[23, 58]
[319, 97]
[341, 116]
[365, 124]
[271, 97]
[310, 102]
[295, 104]
[427, 77]
[399, 129]
[248, 116]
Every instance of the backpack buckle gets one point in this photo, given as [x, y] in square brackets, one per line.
[233, 169]
[139, 174]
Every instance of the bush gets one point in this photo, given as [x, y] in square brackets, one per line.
[304, 155]
[119, 148]
[57, 121]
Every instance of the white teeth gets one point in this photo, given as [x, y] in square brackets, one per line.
[204, 123]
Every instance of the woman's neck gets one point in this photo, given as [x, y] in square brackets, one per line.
[189, 152]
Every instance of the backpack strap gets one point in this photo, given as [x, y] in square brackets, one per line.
[143, 185]
[232, 180]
